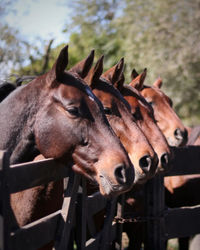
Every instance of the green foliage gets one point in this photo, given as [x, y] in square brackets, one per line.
[93, 27]
[12, 47]
[160, 35]
[164, 38]
[37, 59]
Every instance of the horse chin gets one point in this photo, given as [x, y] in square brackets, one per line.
[107, 189]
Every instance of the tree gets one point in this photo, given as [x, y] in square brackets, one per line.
[92, 27]
[164, 37]
[12, 47]
[160, 35]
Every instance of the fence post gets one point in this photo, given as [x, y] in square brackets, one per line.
[155, 206]
[119, 230]
[81, 216]
[68, 211]
[1, 202]
[105, 242]
[4, 202]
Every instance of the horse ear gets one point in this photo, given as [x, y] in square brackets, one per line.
[61, 62]
[59, 66]
[114, 73]
[120, 83]
[139, 80]
[82, 68]
[134, 74]
[158, 83]
[94, 74]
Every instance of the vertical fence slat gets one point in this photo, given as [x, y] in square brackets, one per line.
[7, 218]
[119, 231]
[68, 211]
[155, 206]
[81, 216]
[1, 201]
[105, 242]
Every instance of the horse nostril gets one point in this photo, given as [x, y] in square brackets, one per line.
[181, 134]
[164, 160]
[145, 163]
[120, 174]
[178, 134]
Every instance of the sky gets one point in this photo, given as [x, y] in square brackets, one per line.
[39, 18]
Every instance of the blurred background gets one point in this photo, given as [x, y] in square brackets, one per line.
[162, 36]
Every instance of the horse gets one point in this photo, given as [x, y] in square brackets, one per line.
[177, 188]
[120, 118]
[176, 133]
[144, 116]
[58, 116]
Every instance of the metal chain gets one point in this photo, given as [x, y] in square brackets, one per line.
[122, 220]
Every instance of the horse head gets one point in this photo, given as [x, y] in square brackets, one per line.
[166, 118]
[144, 117]
[117, 111]
[64, 120]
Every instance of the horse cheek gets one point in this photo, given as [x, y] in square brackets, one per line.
[51, 137]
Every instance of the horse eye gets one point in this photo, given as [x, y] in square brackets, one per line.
[107, 111]
[137, 114]
[151, 103]
[73, 111]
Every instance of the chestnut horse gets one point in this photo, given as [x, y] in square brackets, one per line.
[119, 116]
[143, 114]
[175, 132]
[58, 116]
[144, 117]
[179, 189]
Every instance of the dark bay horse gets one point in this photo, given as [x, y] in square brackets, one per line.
[119, 116]
[58, 116]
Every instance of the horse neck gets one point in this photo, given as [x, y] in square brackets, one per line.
[17, 113]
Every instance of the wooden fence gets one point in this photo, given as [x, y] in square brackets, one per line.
[75, 221]
[174, 222]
